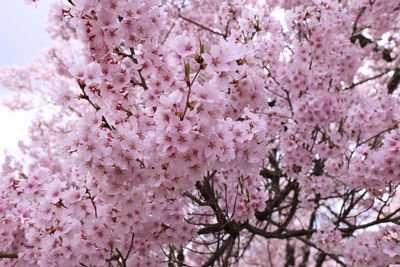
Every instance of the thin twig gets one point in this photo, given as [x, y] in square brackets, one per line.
[368, 79]
[200, 25]
[168, 33]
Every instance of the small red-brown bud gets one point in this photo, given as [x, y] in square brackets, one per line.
[199, 59]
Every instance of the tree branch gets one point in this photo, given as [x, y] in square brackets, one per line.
[200, 25]
[8, 255]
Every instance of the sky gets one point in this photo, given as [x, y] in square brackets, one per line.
[22, 37]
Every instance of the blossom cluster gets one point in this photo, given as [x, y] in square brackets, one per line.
[201, 132]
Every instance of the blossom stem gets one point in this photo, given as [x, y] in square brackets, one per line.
[188, 95]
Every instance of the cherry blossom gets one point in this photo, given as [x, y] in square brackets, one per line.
[208, 133]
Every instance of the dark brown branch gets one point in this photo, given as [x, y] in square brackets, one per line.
[143, 81]
[377, 135]
[82, 85]
[351, 229]
[196, 200]
[278, 234]
[320, 259]
[89, 196]
[362, 10]
[104, 124]
[353, 203]
[228, 254]
[293, 208]
[290, 259]
[306, 255]
[332, 256]
[368, 79]
[364, 41]
[208, 194]
[275, 202]
[394, 81]
[217, 254]
[8, 255]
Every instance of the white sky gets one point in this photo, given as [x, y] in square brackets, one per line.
[22, 37]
